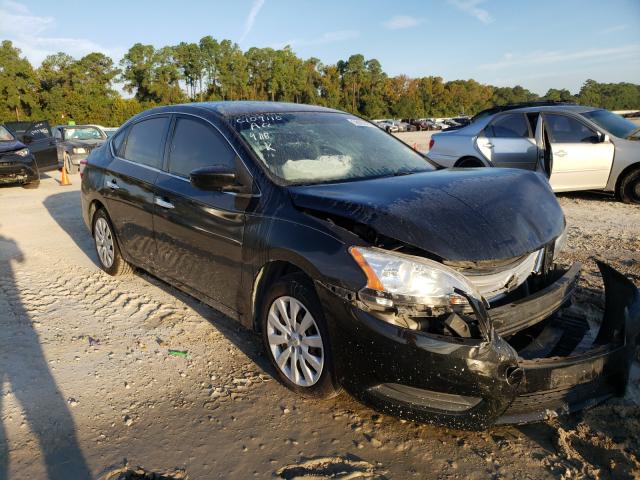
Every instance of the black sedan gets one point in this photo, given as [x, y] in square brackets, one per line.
[17, 163]
[430, 294]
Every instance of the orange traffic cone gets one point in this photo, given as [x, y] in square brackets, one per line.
[64, 179]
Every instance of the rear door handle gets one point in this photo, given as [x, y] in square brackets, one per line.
[163, 203]
[488, 145]
[112, 184]
[560, 153]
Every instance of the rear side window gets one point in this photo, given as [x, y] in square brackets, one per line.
[144, 142]
[513, 125]
[118, 142]
[563, 129]
[196, 144]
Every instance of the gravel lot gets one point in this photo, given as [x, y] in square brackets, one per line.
[89, 385]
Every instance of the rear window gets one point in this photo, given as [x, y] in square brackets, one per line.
[145, 142]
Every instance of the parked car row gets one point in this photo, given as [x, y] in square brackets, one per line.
[420, 124]
[428, 293]
[576, 147]
[28, 148]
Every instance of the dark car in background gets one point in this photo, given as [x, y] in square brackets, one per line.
[75, 143]
[429, 294]
[17, 163]
[38, 137]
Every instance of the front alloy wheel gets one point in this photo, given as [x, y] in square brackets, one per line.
[295, 337]
[295, 341]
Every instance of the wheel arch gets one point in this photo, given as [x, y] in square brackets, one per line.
[471, 160]
[627, 170]
[94, 206]
[269, 273]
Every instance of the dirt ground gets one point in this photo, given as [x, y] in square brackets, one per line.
[90, 390]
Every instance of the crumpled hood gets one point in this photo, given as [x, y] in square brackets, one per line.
[84, 143]
[459, 214]
[11, 146]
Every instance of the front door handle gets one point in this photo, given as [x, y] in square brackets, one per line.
[163, 203]
[488, 145]
[112, 184]
[560, 153]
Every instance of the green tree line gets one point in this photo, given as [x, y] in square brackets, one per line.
[63, 88]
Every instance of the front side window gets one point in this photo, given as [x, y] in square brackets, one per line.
[196, 144]
[319, 147]
[5, 135]
[512, 125]
[563, 129]
[82, 133]
[145, 142]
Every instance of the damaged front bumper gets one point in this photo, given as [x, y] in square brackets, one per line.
[537, 359]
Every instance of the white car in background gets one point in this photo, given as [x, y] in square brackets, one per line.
[577, 147]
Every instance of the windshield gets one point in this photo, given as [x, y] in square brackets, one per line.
[312, 147]
[5, 135]
[82, 133]
[612, 123]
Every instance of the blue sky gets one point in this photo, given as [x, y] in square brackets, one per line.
[537, 44]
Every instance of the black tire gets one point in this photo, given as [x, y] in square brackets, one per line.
[31, 185]
[118, 266]
[300, 288]
[629, 188]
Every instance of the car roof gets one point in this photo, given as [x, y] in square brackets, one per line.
[77, 126]
[228, 109]
[555, 108]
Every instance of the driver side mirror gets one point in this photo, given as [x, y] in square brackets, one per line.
[602, 137]
[215, 178]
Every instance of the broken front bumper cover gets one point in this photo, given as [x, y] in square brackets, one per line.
[476, 383]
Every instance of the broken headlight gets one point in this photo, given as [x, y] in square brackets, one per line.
[560, 243]
[398, 279]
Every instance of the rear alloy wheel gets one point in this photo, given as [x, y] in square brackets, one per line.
[629, 189]
[107, 249]
[295, 338]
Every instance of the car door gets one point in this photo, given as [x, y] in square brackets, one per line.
[199, 233]
[508, 141]
[581, 157]
[39, 139]
[129, 186]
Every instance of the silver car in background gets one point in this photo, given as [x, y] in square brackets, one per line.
[577, 147]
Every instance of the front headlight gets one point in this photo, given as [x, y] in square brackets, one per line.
[78, 150]
[23, 152]
[396, 278]
[560, 242]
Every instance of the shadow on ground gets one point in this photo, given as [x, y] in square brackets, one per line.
[25, 373]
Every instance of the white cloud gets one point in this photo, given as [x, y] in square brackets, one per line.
[470, 7]
[544, 58]
[325, 38]
[28, 32]
[615, 28]
[251, 18]
[402, 21]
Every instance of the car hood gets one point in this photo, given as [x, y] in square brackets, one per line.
[83, 143]
[11, 146]
[457, 214]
